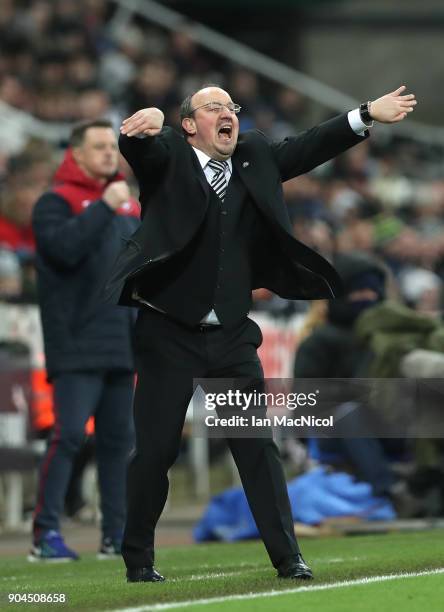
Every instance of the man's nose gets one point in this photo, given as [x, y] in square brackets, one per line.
[225, 113]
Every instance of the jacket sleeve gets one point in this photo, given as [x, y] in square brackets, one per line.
[64, 237]
[299, 154]
[147, 156]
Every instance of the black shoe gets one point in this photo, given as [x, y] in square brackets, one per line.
[295, 567]
[109, 548]
[143, 574]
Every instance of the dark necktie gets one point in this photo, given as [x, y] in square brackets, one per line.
[219, 180]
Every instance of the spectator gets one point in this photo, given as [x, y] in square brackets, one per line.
[334, 351]
[398, 244]
[78, 227]
[421, 290]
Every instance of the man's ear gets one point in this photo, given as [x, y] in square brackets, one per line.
[189, 126]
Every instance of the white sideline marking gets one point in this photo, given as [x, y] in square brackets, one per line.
[303, 589]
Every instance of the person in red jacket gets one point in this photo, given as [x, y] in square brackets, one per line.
[78, 228]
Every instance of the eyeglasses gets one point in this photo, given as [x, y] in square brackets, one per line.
[217, 107]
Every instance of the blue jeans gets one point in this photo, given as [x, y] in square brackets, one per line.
[106, 395]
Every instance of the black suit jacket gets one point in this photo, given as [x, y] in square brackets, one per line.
[174, 197]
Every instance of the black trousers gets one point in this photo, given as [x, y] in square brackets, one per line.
[168, 356]
[106, 395]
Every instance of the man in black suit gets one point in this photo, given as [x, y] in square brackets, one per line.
[214, 227]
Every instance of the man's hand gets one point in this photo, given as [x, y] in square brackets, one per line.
[393, 107]
[116, 194]
[148, 121]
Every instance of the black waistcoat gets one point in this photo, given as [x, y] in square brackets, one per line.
[214, 269]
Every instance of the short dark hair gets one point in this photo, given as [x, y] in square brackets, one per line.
[78, 132]
[186, 109]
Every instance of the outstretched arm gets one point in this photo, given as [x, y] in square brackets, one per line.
[299, 154]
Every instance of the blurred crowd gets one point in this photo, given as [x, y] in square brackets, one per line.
[63, 61]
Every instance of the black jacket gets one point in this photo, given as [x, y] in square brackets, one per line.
[174, 197]
[75, 251]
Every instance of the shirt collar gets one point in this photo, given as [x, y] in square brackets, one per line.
[204, 159]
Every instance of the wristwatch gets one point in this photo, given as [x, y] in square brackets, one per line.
[364, 112]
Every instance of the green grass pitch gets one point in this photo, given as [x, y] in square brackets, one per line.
[218, 573]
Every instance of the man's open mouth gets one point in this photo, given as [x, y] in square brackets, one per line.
[225, 132]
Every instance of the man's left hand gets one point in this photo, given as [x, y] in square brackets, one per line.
[393, 107]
